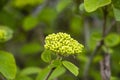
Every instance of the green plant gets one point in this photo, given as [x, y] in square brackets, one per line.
[26, 53]
[62, 45]
[7, 61]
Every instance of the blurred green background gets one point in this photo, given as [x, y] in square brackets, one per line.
[32, 20]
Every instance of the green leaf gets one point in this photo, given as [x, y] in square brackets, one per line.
[97, 59]
[83, 58]
[47, 15]
[76, 24]
[116, 13]
[81, 7]
[31, 48]
[21, 3]
[5, 33]
[95, 36]
[7, 65]
[116, 3]
[46, 55]
[63, 4]
[8, 18]
[71, 67]
[57, 72]
[112, 40]
[55, 63]
[115, 59]
[2, 3]
[30, 70]
[43, 74]
[23, 78]
[29, 23]
[114, 78]
[92, 5]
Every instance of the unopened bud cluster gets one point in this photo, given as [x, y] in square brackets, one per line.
[63, 44]
[5, 34]
[2, 34]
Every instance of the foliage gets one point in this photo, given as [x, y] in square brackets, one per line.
[35, 40]
[8, 67]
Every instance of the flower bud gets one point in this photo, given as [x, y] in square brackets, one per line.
[62, 44]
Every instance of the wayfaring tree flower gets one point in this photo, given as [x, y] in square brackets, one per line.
[62, 44]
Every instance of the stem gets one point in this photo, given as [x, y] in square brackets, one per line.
[49, 74]
[98, 46]
[110, 28]
[105, 13]
[105, 67]
[105, 63]
[52, 70]
[1, 77]
[87, 66]
[87, 33]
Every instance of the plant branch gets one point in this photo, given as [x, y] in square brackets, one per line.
[87, 66]
[105, 67]
[105, 13]
[2, 77]
[49, 74]
[86, 33]
[52, 70]
[105, 63]
[98, 46]
[112, 25]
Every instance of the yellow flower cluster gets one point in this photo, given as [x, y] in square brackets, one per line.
[5, 34]
[62, 44]
[2, 34]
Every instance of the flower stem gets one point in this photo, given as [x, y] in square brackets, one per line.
[49, 74]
